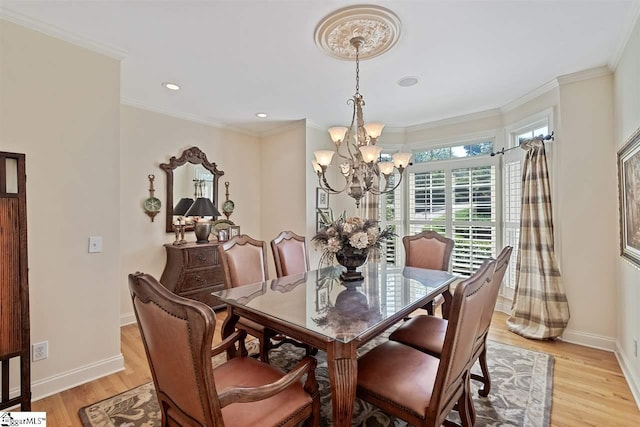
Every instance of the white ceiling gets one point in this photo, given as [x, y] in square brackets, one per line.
[236, 58]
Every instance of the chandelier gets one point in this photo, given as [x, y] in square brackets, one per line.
[359, 155]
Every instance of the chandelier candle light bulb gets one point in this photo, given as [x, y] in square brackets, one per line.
[360, 168]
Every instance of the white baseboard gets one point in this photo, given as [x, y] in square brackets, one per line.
[629, 375]
[575, 337]
[589, 340]
[503, 305]
[127, 319]
[72, 378]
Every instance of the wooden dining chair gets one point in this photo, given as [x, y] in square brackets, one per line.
[177, 333]
[290, 254]
[244, 261]
[422, 389]
[431, 250]
[427, 333]
[290, 257]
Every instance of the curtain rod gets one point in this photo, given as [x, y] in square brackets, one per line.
[543, 138]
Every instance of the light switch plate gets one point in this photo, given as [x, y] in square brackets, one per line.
[95, 244]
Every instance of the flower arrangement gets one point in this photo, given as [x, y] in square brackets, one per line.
[353, 235]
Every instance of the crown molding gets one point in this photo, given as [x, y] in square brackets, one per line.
[453, 120]
[314, 125]
[529, 96]
[180, 115]
[59, 33]
[629, 25]
[579, 76]
[395, 130]
[288, 125]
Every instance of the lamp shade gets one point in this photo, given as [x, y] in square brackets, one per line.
[202, 207]
[183, 206]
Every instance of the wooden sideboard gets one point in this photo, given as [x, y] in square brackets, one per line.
[193, 271]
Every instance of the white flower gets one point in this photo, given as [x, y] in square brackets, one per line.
[359, 240]
[356, 221]
[347, 228]
[331, 231]
[333, 245]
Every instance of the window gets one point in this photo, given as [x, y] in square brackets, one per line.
[460, 203]
[512, 193]
[455, 197]
[459, 151]
[391, 204]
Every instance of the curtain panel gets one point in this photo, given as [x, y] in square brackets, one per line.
[539, 309]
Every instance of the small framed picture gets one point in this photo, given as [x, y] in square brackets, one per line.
[322, 198]
[223, 235]
[234, 231]
[321, 216]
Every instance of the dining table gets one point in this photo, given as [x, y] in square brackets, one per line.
[319, 309]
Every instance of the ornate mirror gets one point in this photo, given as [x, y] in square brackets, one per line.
[187, 175]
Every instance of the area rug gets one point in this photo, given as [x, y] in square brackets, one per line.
[521, 384]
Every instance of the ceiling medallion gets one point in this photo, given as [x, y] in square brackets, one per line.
[379, 27]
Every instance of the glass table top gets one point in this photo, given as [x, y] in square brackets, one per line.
[322, 303]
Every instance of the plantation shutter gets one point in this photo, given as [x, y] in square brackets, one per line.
[391, 215]
[459, 203]
[511, 195]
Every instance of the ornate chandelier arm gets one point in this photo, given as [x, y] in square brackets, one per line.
[324, 184]
[378, 192]
[352, 154]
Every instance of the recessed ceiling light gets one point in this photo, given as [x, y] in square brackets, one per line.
[171, 86]
[408, 81]
[262, 115]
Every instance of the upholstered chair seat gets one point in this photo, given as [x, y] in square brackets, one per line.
[425, 333]
[248, 372]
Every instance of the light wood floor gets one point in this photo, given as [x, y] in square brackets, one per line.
[588, 388]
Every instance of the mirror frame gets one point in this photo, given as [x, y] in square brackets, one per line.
[195, 156]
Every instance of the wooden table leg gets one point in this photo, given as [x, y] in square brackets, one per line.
[343, 375]
[228, 327]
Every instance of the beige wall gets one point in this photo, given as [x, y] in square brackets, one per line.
[59, 104]
[627, 109]
[282, 191]
[148, 139]
[316, 139]
[586, 200]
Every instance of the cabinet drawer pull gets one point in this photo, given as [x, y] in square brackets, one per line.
[199, 279]
[201, 257]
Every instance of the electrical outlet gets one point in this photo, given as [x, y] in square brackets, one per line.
[40, 351]
[95, 244]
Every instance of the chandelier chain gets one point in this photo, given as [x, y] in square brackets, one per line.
[357, 70]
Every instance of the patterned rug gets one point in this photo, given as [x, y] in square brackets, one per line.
[521, 384]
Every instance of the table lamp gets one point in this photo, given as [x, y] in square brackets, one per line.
[183, 206]
[202, 207]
